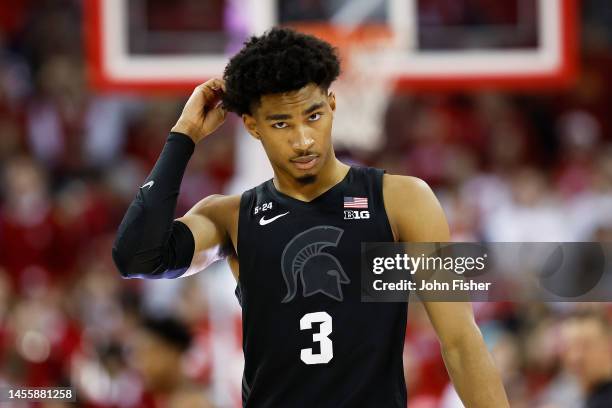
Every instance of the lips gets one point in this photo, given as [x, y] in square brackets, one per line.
[305, 162]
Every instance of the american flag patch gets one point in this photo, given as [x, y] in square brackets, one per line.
[355, 202]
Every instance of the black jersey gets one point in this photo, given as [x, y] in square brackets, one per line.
[308, 340]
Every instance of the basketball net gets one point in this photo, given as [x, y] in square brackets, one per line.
[362, 91]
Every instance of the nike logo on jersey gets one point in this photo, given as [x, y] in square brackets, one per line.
[263, 221]
[148, 184]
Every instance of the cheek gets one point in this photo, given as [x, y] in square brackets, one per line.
[324, 131]
[274, 145]
[329, 120]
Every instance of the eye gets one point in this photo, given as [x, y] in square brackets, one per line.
[314, 117]
[280, 125]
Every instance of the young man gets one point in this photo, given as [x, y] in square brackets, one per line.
[587, 355]
[158, 349]
[293, 245]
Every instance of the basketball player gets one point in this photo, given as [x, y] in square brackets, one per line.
[293, 242]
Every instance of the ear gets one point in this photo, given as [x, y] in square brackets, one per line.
[250, 125]
[331, 99]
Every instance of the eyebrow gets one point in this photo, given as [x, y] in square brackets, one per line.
[283, 116]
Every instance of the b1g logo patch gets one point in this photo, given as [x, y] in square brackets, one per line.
[356, 215]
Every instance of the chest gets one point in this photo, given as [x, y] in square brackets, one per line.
[279, 228]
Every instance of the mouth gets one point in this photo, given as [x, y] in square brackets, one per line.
[305, 162]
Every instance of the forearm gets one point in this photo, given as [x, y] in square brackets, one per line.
[473, 373]
[146, 242]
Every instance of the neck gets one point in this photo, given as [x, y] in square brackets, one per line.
[330, 174]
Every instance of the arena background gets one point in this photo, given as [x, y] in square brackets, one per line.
[510, 160]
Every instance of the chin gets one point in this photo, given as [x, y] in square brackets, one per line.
[306, 179]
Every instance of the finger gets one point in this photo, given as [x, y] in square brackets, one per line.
[213, 95]
[209, 88]
[205, 96]
[220, 111]
[212, 102]
[215, 117]
[207, 91]
[215, 84]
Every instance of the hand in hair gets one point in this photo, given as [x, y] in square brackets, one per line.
[203, 113]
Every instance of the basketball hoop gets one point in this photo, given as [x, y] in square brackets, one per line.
[362, 91]
[381, 37]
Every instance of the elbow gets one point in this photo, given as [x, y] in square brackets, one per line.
[131, 260]
[131, 265]
[167, 258]
[467, 339]
[125, 252]
[144, 267]
[119, 258]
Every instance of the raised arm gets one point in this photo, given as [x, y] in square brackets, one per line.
[149, 242]
[416, 216]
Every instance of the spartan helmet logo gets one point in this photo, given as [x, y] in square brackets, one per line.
[319, 271]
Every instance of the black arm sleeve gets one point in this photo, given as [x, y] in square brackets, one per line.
[149, 243]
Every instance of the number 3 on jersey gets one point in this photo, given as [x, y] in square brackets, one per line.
[325, 329]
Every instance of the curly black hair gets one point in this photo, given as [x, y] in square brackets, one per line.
[281, 60]
[169, 329]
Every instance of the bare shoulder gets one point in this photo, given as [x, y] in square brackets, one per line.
[396, 186]
[216, 206]
[401, 191]
[414, 211]
[221, 210]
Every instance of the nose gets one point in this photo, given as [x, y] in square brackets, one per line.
[302, 141]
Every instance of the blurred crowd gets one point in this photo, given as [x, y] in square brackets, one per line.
[506, 167]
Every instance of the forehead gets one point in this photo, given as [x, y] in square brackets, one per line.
[286, 102]
[144, 339]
